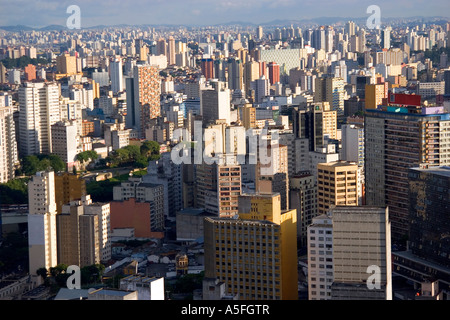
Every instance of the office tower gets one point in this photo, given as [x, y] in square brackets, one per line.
[39, 110]
[116, 75]
[116, 136]
[429, 204]
[429, 90]
[103, 212]
[215, 103]
[251, 73]
[361, 253]
[143, 98]
[337, 185]
[30, 72]
[274, 72]
[144, 192]
[315, 123]
[374, 95]
[42, 222]
[3, 69]
[66, 64]
[386, 38]
[65, 142]
[362, 41]
[320, 257]
[218, 187]
[261, 263]
[259, 32]
[332, 91]
[77, 236]
[207, 67]
[261, 88]
[171, 51]
[235, 74]
[9, 158]
[353, 143]
[68, 187]
[397, 138]
[303, 198]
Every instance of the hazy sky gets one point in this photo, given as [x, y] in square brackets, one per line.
[39, 13]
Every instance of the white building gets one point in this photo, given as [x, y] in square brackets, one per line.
[215, 103]
[116, 74]
[42, 222]
[320, 258]
[8, 146]
[39, 110]
[102, 210]
[65, 141]
[353, 143]
[147, 288]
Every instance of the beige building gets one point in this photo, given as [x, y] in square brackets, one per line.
[8, 145]
[66, 64]
[361, 253]
[337, 185]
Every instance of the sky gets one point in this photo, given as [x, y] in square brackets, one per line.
[40, 13]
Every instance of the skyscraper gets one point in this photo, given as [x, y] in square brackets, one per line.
[143, 97]
[386, 38]
[42, 222]
[116, 75]
[8, 146]
[274, 72]
[396, 139]
[39, 110]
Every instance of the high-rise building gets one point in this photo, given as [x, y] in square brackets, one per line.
[39, 110]
[361, 253]
[171, 51]
[251, 73]
[103, 212]
[116, 75]
[303, 198]
[3, 78]
[261, 88]
[254, 255]
[429, 204]
[161, 47]
[77, 236]
[274, 72]
[259, 32]
[374, 94]
[236, 74]
[215, 103]
[42, 222]
[9, 158]
[331, 90]
[396, 139]
[207, 67]
[68, 187]
[65, 140]
[386, 38]
[30, 72]
[353, 143]
[337, 185]
[320, 257]
[315, 123]
[66, 64]
[143, 97]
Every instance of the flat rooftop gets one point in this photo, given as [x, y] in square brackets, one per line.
[442, 171]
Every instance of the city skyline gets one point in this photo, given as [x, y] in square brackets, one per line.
[201, 12]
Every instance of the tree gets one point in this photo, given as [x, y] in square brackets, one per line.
[42, 272]
[30, 165]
